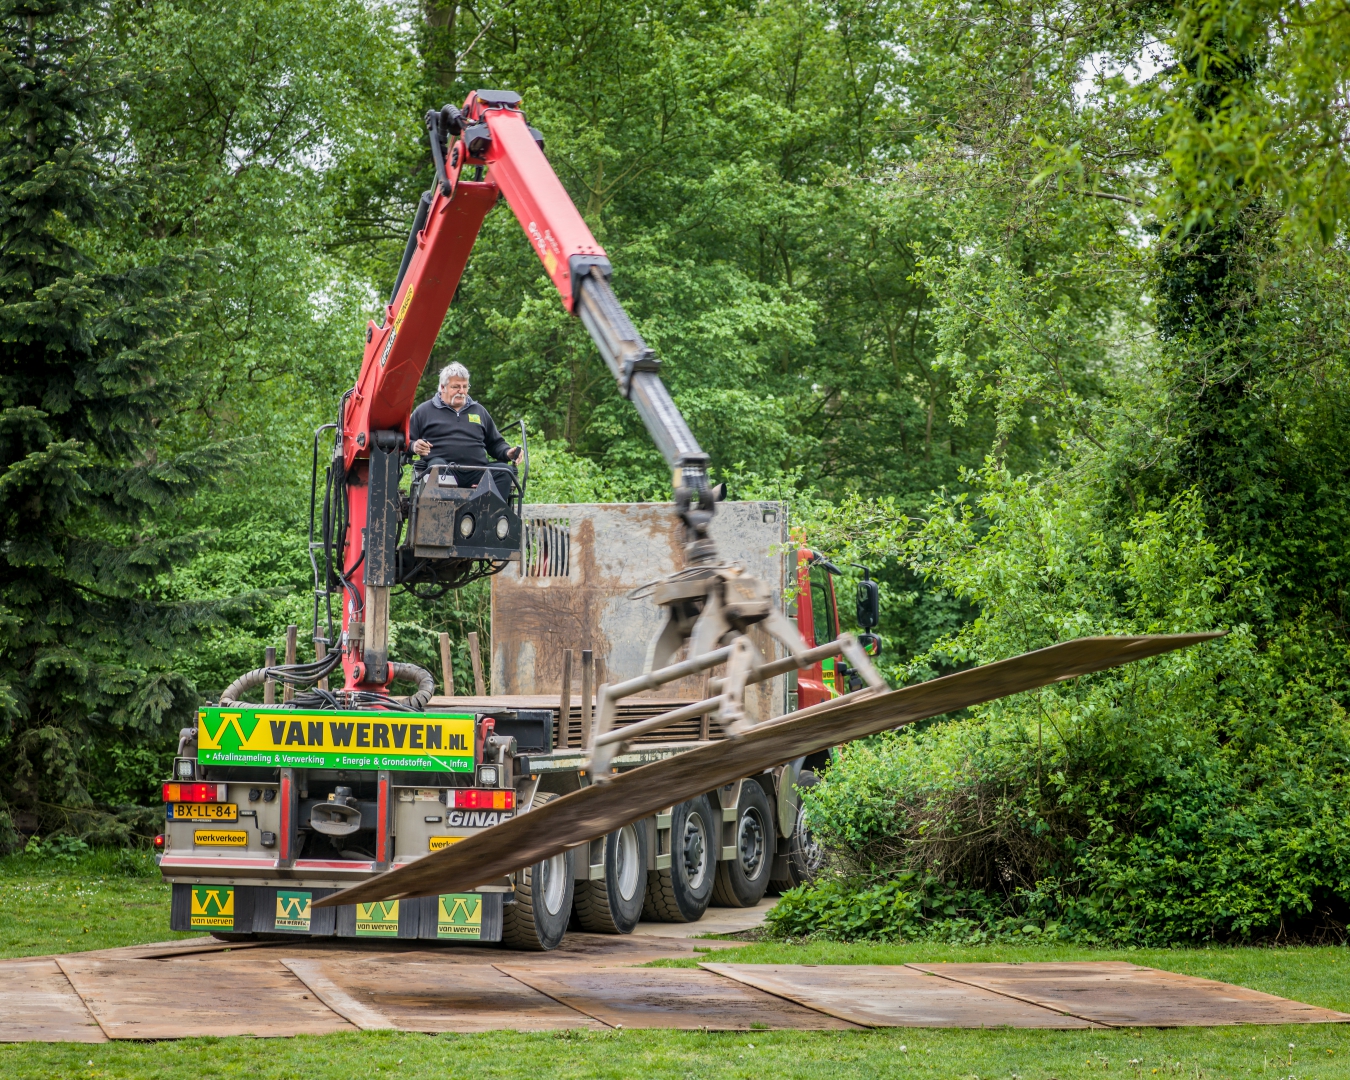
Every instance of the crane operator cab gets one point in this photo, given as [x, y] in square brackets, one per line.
[464, 510]
[449, 523]
[461, 519]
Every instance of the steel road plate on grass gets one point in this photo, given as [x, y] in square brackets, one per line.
[38, 1004]
[626, 797]
[885, 995]
[175, 999]
[670, 998]
[1118, 994]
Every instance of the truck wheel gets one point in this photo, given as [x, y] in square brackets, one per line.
[805, 856]
[614, 906]
[681, 892]
[538, 919]
[743, 880]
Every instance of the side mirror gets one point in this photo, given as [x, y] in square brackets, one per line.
[869, 603]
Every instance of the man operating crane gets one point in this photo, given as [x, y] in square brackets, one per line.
[451, 428]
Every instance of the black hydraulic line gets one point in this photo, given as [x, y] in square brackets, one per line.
[314, 562]
[300, 674]
[419, 223]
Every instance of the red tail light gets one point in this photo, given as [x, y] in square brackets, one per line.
[485, 799]
[159, 842]
[194, 792]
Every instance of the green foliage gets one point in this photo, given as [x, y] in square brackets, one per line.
[1186, 341]
[1199, 795]
[906, 907]
[88, 338]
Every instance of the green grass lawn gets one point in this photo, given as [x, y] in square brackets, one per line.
[1319, 1053]
[94, 901]
[49, 905]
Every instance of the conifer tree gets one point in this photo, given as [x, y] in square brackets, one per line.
[86, 640]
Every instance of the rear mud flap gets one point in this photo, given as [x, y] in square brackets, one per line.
[275, 910]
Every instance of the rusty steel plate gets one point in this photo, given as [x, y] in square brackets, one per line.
[600, 950]
[683, 998]
[1118, 994]
[175, 999]
[578, 598]
[38, 1004]
[625, 797]
[893, 996]
[416, 993]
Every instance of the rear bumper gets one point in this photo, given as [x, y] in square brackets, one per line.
[267, 909]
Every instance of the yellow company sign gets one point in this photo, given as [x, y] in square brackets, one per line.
[212, 907]
[437, 843]
[459, 915]
[340, 740]
[293, 910]
[220, 838]
[379, 919]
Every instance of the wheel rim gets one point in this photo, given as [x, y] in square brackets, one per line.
[626, 866]
[553, 882]
[695, 851]
[810, 855]
[750, 843]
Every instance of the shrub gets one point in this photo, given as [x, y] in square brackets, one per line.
[1200, 795]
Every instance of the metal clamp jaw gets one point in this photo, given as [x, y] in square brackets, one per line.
[710, 608]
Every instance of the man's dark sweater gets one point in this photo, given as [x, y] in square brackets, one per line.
[464, 437]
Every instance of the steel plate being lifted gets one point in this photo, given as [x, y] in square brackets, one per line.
[625, 797]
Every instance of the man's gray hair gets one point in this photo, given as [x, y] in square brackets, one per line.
[453, 371]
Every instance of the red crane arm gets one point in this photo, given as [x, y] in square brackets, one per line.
[507, 160]
[397, 352]
[496, 137]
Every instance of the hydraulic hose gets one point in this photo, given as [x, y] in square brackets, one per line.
[426, 685]
[308, 674]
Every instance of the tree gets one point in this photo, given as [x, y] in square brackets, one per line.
[1167, 153]
[86, 337]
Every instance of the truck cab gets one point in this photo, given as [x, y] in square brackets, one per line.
[818, 622]
[817, 612]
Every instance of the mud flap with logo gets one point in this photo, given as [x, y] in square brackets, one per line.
[262, 909]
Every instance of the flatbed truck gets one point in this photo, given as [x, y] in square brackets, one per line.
[272, 807]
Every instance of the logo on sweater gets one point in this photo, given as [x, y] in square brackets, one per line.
[474, 418]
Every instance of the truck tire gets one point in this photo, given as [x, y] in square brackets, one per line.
[681, 892]
[743, 880]
[805, 857]
[538, 919]
[614, 906]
